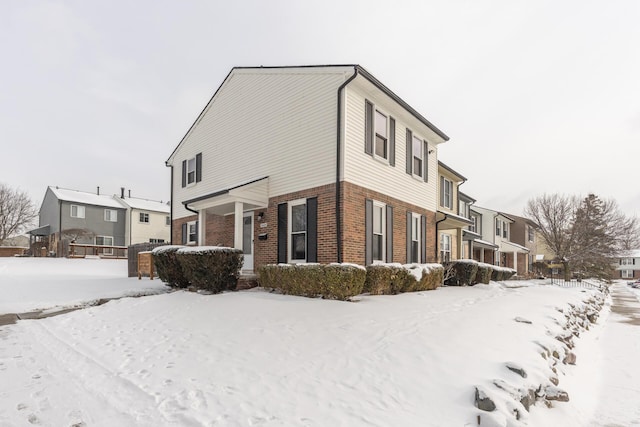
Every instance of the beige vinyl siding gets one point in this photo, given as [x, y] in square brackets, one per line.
[279, 123]
[361, 169]
[156, 228]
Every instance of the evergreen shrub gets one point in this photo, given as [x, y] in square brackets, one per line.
[211, 268]
[167, 266]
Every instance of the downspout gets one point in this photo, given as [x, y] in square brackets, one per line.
[171, 208]
[338, 163]
[446, 216]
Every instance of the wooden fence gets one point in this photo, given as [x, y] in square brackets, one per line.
[79, 250]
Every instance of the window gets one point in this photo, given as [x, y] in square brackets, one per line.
[156, 240]
[379, 226]
[105, 241]
[446, 193]
[627, 261]
[192, 170]
[530, 233]
[382, 135]
[167, 220]
[144, 217]
[418, 156]
[111, 215]
[505, 230]
[77, 211]
[445, 247]
[626, 274]
[192, 232]
[498, 229]
[415, 238]
[473, 227]
[298, 230]
[530, 269]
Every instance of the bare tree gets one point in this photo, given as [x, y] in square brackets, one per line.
[554, 214]
[17, 211]
[73, 234]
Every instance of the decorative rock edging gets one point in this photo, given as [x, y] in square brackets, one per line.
[518, 400]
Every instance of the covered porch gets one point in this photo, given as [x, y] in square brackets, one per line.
[450, 221]
[226, 216]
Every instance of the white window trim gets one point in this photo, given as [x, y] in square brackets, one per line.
[167, 221]
[376, 110]
[443, 237]
[148, 221]
[112, 215]
[498, 229]
[189, 241]
[290, 232]
[416, 224]
[627, 274]
[474, 227]
[105, 251]
[413, 157]
[447, 202]
[79, 209]
[189, 170]
[383, 213]
[626, 261]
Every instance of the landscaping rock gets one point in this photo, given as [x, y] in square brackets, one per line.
[484, 402]
[517, 369]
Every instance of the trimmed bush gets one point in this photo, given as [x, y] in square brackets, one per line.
[462, 272]
[211, 268]
[167, 266]
[391, 279]
[501, 273]
[332, 281]
[484, 273]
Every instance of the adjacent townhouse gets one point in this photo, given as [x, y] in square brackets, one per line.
[147, 221]
[523, 233]
[628, 267]
[452, 216]
[481, 250]
[496, 229]
[308, 164]
[84, 218]
[71, 216]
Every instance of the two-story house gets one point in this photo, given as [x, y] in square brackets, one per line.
[628, 267]
[481, 250]
[308, 164]
[452, 216]
[523, 233]
[147, 220]
[496, 228]
[85, 218]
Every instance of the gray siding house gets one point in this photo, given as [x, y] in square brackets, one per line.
[80, 217]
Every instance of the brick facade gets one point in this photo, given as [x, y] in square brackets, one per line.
[219, 229]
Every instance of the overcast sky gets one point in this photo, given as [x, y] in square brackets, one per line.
[536, 96]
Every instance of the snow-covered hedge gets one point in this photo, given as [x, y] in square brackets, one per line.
[484, 273]
[501, 273]
[330, 281]
[211, 268]
[395, 278]
[168, 267]
[461, 272]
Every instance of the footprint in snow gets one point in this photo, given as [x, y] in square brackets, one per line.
[21, 406]
[33, 419]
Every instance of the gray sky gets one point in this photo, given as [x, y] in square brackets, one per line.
[536, 96]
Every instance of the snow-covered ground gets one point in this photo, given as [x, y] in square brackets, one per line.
[253, 358]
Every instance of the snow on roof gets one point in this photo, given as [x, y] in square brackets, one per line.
[85, 198]
[635, 253]
[145, 205]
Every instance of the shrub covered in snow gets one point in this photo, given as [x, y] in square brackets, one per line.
[394, 278]
[484, 273]
[331, 281]
[211, 268]
[168, 267]
[501, 273]
[462, 272]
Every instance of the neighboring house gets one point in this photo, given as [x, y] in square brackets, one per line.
[308, 164]
[523, 233]
[147, 221]
[452, 215]
[628, 267]
[496, 229]
[481, 250]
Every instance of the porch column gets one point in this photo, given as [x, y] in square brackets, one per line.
[515, 262]
[460, 247]
[481, 254]
[237, 227]
[202, 226]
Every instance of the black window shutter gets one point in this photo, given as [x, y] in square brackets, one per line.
[368, 128]
[441, 190]
[620, 261]
[423, 241]
[409, 236]
[312, 230]
[198, 167]
[409, 151]
[392, 141]
[389, 234]
[184, 233]
[425, 161]
[184, 173]
[197, 234]
[368, 234]
[282, 233]
[634, 261]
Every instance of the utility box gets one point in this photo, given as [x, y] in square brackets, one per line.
[145, 264]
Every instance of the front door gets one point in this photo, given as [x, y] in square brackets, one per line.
[247, 241]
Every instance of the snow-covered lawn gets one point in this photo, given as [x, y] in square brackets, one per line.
[256, 358]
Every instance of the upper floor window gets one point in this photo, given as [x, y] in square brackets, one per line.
[505, 230]
[418, 157]
[498, 227]
[111, 215]
[192, 170]
[531, 233]
[167, 220]
[77, 211]
[446, 193]
[382, 135]
[380, 129]
[627, 261]
[474, 227]
[144, 217]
